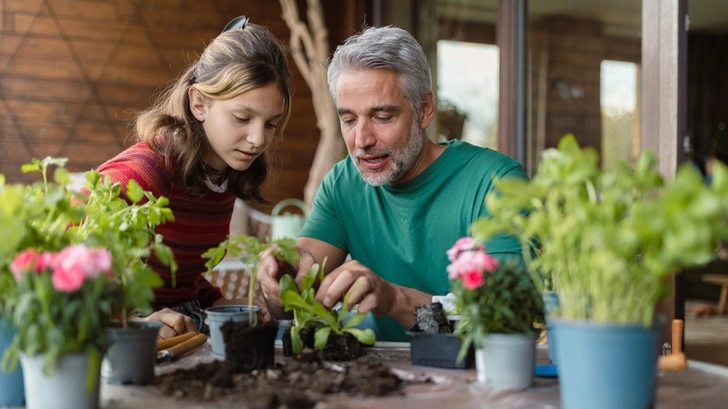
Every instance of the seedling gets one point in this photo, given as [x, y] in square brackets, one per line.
[309, 312]
[248, 249]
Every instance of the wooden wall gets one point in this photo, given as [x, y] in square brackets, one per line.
[73, 72]
[575, 49]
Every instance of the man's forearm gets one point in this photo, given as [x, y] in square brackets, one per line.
[406, 300]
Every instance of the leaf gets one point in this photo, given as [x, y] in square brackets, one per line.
[293, 301]
[365, 336]
[296, 341]
[354, 320]
[287, 284]
[321, 337]
[326, 315]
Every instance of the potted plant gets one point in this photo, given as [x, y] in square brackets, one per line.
[432, 341]
[126, 228]
[498, 306]
[32, 216]
[48, 216]
[61, 306]
[235, 332]
[333, 332]
[312, 320]
[608, 240]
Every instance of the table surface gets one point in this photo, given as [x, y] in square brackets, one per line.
[702, 386]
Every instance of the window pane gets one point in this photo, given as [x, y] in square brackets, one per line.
[468, 92]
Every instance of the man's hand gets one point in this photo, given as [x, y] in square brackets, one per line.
[364, 287]
[270, 272]
[173, 323]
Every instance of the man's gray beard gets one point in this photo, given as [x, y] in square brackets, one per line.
[401, 163]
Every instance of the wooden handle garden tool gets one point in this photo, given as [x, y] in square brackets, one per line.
[677, 361]
[180, 349]
[169, 342]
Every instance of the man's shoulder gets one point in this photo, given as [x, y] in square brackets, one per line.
[461, 151]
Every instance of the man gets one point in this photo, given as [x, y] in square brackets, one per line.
[399, 201]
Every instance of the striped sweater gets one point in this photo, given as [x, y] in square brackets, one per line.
[199, 224]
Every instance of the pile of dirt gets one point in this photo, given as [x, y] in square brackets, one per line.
[292, 384]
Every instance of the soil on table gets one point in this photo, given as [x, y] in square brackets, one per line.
[339, 347]
[292, 384]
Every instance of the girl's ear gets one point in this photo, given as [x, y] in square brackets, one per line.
[197, 104]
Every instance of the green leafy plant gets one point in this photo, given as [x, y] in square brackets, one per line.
[309, 313]
[607, 239]
[491, 296]
[248, 249]
[126, 228]
[47, 216]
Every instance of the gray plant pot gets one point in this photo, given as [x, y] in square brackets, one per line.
[132, 355]
[506, 361]
[218, 315]
[64, 388]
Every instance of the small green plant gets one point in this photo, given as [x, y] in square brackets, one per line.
[248, 249]
[492, 296]
[608, 239]
[306, 310]
[126, 228]
[310, 313]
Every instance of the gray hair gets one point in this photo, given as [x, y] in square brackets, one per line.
[389, 48]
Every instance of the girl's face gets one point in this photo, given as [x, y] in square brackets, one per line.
[241, 128]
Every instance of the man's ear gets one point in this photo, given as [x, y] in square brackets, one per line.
[197, 104]
[427, 110]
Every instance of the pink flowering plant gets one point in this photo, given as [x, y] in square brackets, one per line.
[493, 296]
[61, 303]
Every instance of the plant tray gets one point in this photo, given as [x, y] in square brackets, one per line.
[439, 350]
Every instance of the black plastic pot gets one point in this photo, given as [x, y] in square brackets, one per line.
[439, 350]
[248, 348]
[131, 358]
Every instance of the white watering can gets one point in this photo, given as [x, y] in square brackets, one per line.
[287, 224]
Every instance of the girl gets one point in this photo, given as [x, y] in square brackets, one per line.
[202, 145]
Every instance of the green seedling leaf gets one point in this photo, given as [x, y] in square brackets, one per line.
[365, 336]
[292, 300]
[322, 337]
[354, 320]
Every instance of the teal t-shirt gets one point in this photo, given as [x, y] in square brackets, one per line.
[401, 232]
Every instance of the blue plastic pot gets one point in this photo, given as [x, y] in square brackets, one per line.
[12, 390]
[606, 366]
[550, 302]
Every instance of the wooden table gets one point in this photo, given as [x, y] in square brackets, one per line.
[702, 386]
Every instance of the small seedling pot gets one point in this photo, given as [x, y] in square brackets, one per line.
[218, 315]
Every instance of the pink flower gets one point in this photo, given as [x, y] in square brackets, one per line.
[45, 261]
[91, 262]
[462, 245]
[68, 280]
[473, 279]
[471, 260]
[25, 262]
[76, 263]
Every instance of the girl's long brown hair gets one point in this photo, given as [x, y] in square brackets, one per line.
[235, 62]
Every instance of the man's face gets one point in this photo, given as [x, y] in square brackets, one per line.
[382, 134]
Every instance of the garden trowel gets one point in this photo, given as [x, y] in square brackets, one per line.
[180, 349]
